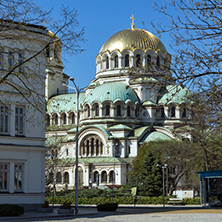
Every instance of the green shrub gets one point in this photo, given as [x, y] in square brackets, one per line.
[107, 207]
[11, 210]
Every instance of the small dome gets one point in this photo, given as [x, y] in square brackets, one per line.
[133, 39]
[111, 92]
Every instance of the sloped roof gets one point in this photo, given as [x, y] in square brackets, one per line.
[64, 102]
[175, 94]
[155, 136]
[112, 91]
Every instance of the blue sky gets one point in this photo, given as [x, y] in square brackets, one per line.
[102, 19]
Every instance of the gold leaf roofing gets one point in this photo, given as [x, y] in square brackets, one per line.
[133, 39]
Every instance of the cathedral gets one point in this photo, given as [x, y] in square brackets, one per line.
[132, 100]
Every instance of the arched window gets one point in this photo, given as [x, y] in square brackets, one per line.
[47, 120]
[116, 63]
[56, 153]
[66, 177]
[67, 152]
[88, 111]
[96, 177]
[107, 110]
[118, 110]
[92, 146]
[148, 60]
[87, 148]
[128, 110]
[53, 153]
[50, 177]
[58, 178]
[107, 62]
[104, 177]
[173, 111]
[96, 110]
[97, 147]
[184, 112]
[64, 118]
[111, 176]
[138, 60]
[72, 118]
[158, 61]
[162, 112]
[127, 60]
[56, 119]
[137, 111]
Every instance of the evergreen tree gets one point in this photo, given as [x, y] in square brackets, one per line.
[150, 176]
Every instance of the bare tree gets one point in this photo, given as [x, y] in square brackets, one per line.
[196, 29]
[18, 18]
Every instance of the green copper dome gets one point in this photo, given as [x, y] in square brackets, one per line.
[112, 92]
[132, 39]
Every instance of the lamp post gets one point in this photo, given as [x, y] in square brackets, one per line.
[163, 167]
[77, 137]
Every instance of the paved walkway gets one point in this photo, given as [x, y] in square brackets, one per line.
[122, 210]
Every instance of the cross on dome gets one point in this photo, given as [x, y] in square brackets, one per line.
[132, 24]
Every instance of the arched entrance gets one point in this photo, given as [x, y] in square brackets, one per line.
[80, 176]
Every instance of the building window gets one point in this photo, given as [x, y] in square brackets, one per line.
[55, 119]
[128, 110]
[112, 177]
[47, 51]
[66, 177]
[97, 147]
[138, 60]
[96, 177]
[47, 120]
[126, 60]
[4, 174]
[19, 120]
[137, 111]
[72, 119]
[162, 112]
[107, 62]
[184, 112]
[10, 59]
[58, 178]
[104, 177]
[107, 110]
[1, 61]
[116, 65]
[92, 147]
[118, 110]
[173, 111]
[64, 119]
[96, 110]
[158, 61]
[148, 60]
[4, 119]
[20, 61]
[67, 152]
[18, 173]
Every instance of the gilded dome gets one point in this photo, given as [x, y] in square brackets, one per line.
[133, 39]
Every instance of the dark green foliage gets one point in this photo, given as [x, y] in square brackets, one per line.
[11, 210]
[150, 176]
[107, 207]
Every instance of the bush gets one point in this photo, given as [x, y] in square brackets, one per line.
[107, 207]
[11, 210]
[66, 205]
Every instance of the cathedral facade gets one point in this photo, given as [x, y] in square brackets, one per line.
[132, 100]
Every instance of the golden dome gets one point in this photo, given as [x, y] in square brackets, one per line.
[133, 39]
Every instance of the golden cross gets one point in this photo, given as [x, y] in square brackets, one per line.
[132, 24]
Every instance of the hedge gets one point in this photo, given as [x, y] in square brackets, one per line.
[11, 210]
[119, 200]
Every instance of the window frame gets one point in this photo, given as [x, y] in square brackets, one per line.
[4, 119]
[20, 173]
[20, 123]
[4, 173]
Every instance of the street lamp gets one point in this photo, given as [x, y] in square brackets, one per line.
[163, 167]
[77, 137]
